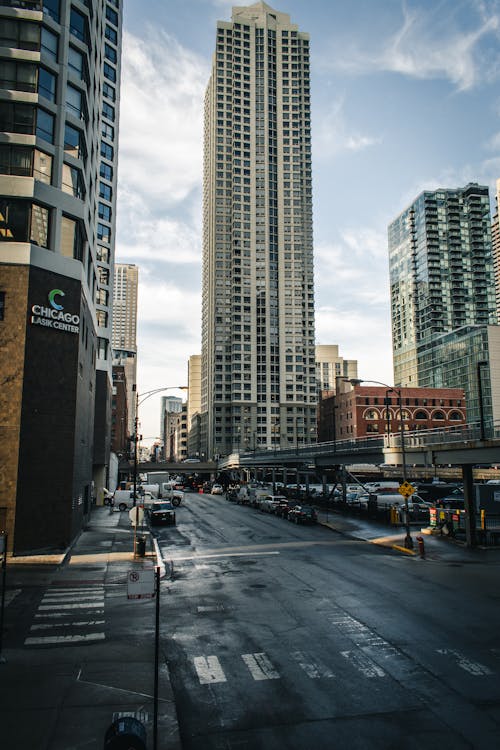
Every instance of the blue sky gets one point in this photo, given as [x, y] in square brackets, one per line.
[405, 97]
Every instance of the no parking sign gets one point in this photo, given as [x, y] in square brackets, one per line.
[141, 584]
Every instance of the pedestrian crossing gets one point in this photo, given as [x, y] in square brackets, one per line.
[79, 609]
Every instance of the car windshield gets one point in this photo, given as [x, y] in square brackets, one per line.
[163, 506]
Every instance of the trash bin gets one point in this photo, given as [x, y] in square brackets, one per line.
[141, 546]
[127, 733]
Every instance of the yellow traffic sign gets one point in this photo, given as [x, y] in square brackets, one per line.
[406, 489]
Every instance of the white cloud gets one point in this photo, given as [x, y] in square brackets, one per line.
[332, 134]
[161, 118]
[427, 45]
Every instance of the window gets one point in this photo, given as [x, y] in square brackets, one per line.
[72, 181]
[2, 310]
[102, 348]
[107, 131]
[16, 160]
[111, 34]
[19, 34]
[21, 221]
[438, 415]
[104, 212]
[103, 233]
[105, 191]
[51, 8]
[49, 44]
[45, 126]
[47, 84]
[109, 72]
[17, 76]
[71, 238]
[17, 118]
[108, 111]
[108, 91]
[42, 167]
[102, 297]
[111, 15]
[455, 416]
[106, 171]
[107, 151]
[74, 101]
[420, 415]
[78, 25]
[110, 53]
[74, 142]
[75, 61]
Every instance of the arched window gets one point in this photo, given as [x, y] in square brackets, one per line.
[456, 416]
[420, 415]
[371, 414]
[438, 415]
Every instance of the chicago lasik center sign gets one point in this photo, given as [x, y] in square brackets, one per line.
[53, 315]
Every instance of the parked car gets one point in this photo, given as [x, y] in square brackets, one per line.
[302, 514]
[268, 503]
[283, 508]
[217, 489]
[162, 511]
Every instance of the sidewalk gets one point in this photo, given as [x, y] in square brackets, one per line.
[436, 547]
[78, 653]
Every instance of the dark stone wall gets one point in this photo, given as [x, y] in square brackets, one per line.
[55, 445]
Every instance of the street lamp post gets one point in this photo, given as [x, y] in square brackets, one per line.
[139, 399]
[358, 381]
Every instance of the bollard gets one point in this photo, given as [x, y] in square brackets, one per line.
[421, 546]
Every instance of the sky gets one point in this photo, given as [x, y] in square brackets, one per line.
[404, 98]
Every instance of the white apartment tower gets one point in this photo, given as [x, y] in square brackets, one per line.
[258, 386]
[124, 338]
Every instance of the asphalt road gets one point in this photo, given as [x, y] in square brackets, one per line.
[281, 636]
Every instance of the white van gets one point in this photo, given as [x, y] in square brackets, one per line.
[124, 499]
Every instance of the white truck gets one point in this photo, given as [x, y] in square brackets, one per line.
[168, 492]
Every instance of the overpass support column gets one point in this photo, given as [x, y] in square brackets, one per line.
[470, 511]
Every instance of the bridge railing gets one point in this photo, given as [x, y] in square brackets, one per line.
[413, 439]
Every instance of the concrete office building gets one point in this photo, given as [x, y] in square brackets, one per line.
[330, 366]
[59, 95]
[124, 337]
[194, 406]
[258, 386]
[495, 237]
[442, 288]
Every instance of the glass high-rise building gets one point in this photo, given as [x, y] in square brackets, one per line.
[441, 272]
[258, 387]
[443, 305]
[59, 100]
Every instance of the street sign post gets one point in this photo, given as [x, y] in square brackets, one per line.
[406, 489]
[141, 583]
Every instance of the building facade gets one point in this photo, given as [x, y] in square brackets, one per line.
[124, 331]
[442, 288]
[258, 386]
[495, 237]
[59, 95]
[368, 410]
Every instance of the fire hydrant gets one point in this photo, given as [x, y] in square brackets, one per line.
[421, 546]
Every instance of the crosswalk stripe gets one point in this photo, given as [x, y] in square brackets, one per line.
[46, 615]
[209, 669]
[81, 605]
[52, 625]
[260, 667]
[363, 664]
[58, 639]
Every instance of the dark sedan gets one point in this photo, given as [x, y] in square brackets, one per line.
[162, 512]
[302, 514]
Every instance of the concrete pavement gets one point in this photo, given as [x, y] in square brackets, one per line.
[78, 653]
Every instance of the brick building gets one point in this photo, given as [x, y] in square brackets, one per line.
[366, 410]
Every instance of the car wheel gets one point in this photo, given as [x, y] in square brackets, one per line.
[122, 506]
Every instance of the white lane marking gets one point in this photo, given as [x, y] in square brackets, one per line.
[473, 667]
[363, 664]
[11, 595]
[72, 623]
[310, 667]
[83, 605]
[62, 591]
[57, 639]
[209, 669]
[260, 667]
[73, 598]
[226, 554]
[45, 615]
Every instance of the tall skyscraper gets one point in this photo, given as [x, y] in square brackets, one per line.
[443, 293]
[330, 366]
[59, 95]
[258, 367]
[124, 339]
[495, 234]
